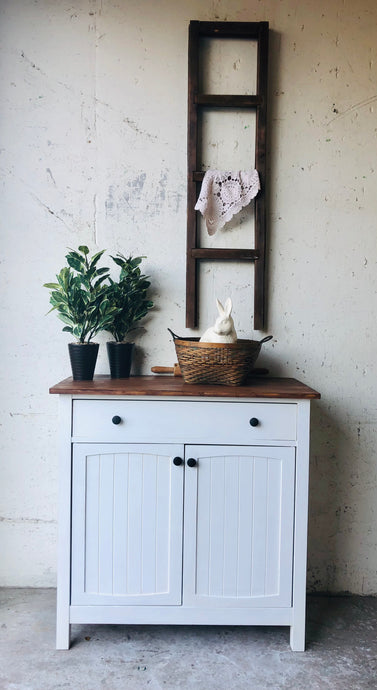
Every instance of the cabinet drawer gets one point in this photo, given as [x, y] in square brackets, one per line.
[167, 421]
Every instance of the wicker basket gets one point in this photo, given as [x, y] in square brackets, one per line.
[223, 363]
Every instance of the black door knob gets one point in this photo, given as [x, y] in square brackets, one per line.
[177, 461]
[254, 421]
[116, 419]
[191, 462]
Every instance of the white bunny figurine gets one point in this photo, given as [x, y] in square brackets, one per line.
[223, 331]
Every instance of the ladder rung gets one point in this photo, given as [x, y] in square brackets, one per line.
[228, 100]
[225, 254]
[229, 29]
[198, 175]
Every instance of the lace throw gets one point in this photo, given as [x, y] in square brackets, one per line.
[225, 193]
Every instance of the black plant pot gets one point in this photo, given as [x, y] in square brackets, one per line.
[120, 359]
[83, 358]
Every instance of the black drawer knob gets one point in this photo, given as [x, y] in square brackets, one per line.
[177, 461]
[254, 421]
[116, 419]
[191, 462]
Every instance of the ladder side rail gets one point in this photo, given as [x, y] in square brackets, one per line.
[260, 164]
[192, 164]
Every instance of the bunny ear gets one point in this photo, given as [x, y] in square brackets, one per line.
[220, 307]
[228, 306]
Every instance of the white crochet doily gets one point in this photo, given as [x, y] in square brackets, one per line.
[225, 193]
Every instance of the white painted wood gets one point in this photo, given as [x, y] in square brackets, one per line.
[216, 499]
[134, 524]
[297, 633]
[245, 530]
[182, 421]
[64, 525]
[90, 537]
[281, 493]
[148, 517]
[232, 518]
[164, 523]
[244, 516]
[259, 492]
[130, 496]
[120, 506]
[180, 615]
[106, 527]
[239, 536]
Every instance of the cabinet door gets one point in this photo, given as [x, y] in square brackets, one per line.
[126, 524]
[238, 534]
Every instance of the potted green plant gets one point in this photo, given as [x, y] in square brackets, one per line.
[129, 301]
[80, 298]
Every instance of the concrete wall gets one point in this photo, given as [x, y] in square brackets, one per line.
[93, 150]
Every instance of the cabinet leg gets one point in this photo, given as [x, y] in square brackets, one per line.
[63, 636]
[63, 628]
[297, 638]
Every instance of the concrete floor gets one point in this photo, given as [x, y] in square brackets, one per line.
[341, 651]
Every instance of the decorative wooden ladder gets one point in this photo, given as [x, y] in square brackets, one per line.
[257, 31]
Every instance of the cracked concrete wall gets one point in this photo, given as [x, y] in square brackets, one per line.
[93, 150]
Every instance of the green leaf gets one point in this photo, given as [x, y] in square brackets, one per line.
[84, 249]
[104, 305]
[96, 257]
[77, 331]
[76, 255]
[136, 261]
[66, 319]
[75, 263]
[102, 271]
[62, 276]
[84, 280]
[59, 296]
[118, 261]
[98, 282]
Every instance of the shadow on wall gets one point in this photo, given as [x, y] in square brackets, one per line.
[335, 468]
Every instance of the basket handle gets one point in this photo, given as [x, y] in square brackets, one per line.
[173, 334]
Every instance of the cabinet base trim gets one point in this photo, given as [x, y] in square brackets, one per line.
[129, 615]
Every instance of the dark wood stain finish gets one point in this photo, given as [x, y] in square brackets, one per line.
[174, 386]
[221, 254]
[260, 164]
[192, 145]
[227, 101]
[249, 30]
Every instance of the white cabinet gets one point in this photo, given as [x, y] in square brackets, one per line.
[183, 510]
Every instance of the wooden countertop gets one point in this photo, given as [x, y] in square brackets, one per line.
[174, 386]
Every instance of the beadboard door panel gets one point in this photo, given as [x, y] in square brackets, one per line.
[239, 512]
[127, 508]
